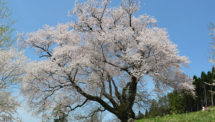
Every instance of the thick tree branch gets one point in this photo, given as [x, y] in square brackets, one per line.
[43, 49]
[118, 95]
[90, 97]
[78, 106]
[132, 91]
[110, 85]
[121, 68]
[110, 98]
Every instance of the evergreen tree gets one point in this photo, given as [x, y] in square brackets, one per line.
[146, 113]
[204, 89]
[141, 115]
[176, 103]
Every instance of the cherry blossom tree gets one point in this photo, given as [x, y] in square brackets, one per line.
[11, 71]
[100, 61]
[11, 66]
[212, 34]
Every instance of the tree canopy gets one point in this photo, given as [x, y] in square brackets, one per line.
[99, 61]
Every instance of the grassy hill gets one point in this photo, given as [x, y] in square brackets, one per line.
[200, 116]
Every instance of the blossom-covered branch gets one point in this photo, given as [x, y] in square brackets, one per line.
[102, 56]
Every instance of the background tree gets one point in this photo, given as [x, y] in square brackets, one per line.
[212, 34]
[11, 65]
[199, 91]
[140, 115]
[154, 109]
[181, 102]
[6, 22]
[204, 89]
[99, 61]
[212, 60]
[11, 71]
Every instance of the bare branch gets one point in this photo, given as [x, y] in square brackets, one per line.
[78, 106]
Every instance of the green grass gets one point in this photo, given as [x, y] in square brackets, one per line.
[200, 116]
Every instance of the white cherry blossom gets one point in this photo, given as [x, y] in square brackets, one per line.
[100, 59]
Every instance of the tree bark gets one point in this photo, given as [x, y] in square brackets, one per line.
[205, 97]
[123, 110]
[212, 101]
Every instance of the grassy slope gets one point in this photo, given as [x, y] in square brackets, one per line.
[200, 116]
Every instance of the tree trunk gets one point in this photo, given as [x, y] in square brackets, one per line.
[126, 117]
[205, 97]
[212, 101]
[123, 110]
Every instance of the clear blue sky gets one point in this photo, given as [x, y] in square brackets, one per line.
[186, 21]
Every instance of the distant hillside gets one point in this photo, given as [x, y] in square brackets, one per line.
[200, 116]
